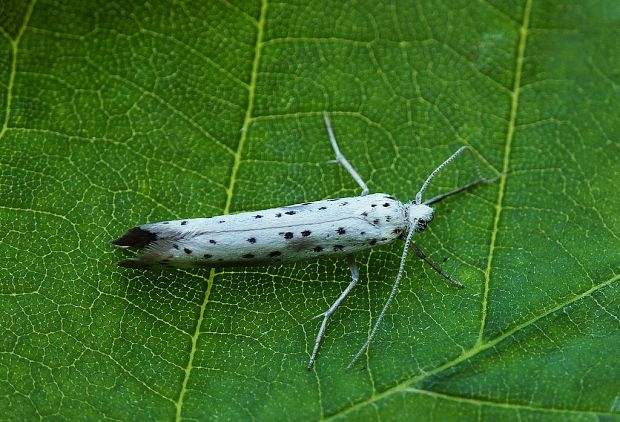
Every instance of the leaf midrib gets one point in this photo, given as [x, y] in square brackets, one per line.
[514, 107]
[229, 195]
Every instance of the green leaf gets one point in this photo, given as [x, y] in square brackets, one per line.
[120, 113]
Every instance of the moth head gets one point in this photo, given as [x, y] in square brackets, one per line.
[419, 215]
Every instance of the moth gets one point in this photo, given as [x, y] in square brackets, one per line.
[332, 227]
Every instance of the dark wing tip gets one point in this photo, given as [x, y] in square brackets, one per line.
[134, 263]
[135, 238]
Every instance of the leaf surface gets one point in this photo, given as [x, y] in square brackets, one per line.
[115, 114]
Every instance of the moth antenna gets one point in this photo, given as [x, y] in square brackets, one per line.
[401, 268]
[418, 197]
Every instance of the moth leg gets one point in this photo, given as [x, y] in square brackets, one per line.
[468, 186]
[479, 181]
[436, 267]
[340, 158]
[355, 275]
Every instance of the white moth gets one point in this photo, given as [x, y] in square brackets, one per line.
[333, 227]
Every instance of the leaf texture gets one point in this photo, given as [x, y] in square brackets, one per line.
[115, 114]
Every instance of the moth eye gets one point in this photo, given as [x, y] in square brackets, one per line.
[421, 224]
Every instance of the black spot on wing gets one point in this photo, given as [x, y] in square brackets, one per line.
[135, 238]
[341, 230]
[184, 222]
[187, 251]
[288, 235]
[306, 233]
[248, 256]
[290, 212]
[317, 248]
[252, 240]
[275, 253]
